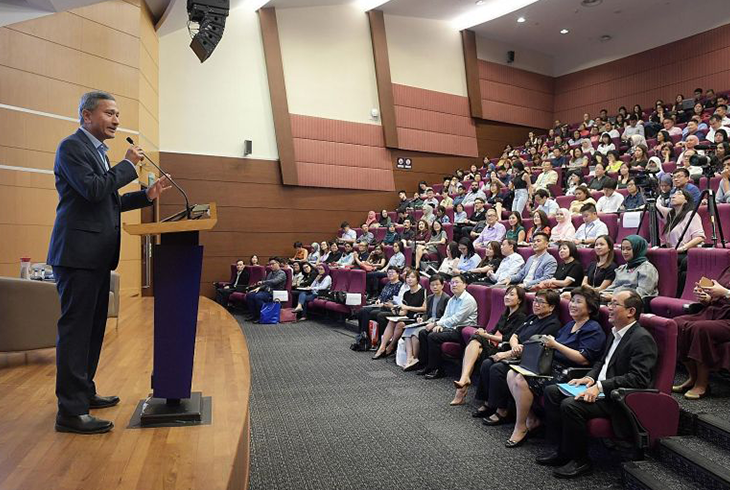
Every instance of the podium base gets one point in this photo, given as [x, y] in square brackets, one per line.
[169, 413]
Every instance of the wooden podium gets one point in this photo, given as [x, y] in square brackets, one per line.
[177, 267]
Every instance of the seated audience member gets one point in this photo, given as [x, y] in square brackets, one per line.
[366, 236]
[558, 160]
[441, 215]
[384, 301]
[569, 273]
[639, 155]
[613, 162]
[372, 219]
[404, 204]
[493, 231]
[539, 266]
[361, 254]
[468, 258]
[693, 129]
[545, 203]
[423, 234]
[391, 235]
[474, 193]
[634, 200]
[701, 336]
[414, 302]
[459, 215]
[591, 228]
[275, 281]
[574, 182]
[397, 261]
[634, 127]
[315, 254]
[723, 190]
[495, 198]
[670, 127]
[402, 217]
[564, 230]
[575, 139]
[478, 215]
[460, 195]
[383, 220]
[347, 259]
[611, 200]
[461, 311]
[579, 343]
[373, 261]
[492, 258]
[300, 253]
[408, 232]
[540, 223]
[606, 144]
[436, 238]
[483, 345]
[715, 126]
[449, 266]
[422, 189]
[624, 174]
[681, 180]
[510, 265]
[665, 190]
[516, 231]
[348, 234]
[321, 282]
[547, 177]
[296, 274]
[627, 362]
[428, 215]
[676, 220]
[578, 161]
[493, 389]
[636, 274]
[431, 198]
[435, 307]
[417, 201]
[599, 178]
[238, 282]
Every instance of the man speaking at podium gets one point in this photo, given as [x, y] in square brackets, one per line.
[84, 249]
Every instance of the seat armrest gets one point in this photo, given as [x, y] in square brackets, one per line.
[577, 372]
[640, 434]
[692, 308]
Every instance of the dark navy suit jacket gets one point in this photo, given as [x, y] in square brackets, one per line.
[86, 234]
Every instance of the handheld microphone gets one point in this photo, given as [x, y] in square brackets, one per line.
[162, 172]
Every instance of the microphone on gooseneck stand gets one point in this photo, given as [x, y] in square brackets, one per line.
[188, 209]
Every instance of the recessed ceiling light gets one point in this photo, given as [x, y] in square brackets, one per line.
[564, 31]
[490, 10]
[521, 20]
[591, 3]
[605, 38]
[479, 2]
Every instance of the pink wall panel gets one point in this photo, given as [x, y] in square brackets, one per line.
[430, 100]
[449, 144]
[524, 116]
[341, 154]
[702, 60]
[497, 72]
[438, 122]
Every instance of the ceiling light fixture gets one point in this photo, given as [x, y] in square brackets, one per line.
[254, 5]
[521, 19]
[564, 31]
[368, 5]
[488, 10]
[479, 2]
[605, 38]
[591, 3]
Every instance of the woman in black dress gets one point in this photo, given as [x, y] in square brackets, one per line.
[414, 302]
[484, 344]
[569, 273]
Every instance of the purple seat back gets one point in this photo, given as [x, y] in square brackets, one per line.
[449, 229]
[611, 221]
[437, 188]
[393, 216]
[554, 251]
[482, 296]
[356, 281]
[623, 232]
[577, 220]
[340, 279]
[556, 189]
[665, 261]
[664, 331]
[496, 307]
[256, 274]
[468, 209]
[379, 233]
[708, 262]
[586, 256]
[526, 252]
[564, 201]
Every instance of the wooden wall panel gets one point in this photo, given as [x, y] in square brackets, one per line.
[493, 136]
[46, 64]
[383, 78]
[471, 66]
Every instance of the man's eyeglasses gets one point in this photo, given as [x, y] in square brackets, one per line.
[540, 302]
[614, 304]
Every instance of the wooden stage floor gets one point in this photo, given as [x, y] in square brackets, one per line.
[206, 457]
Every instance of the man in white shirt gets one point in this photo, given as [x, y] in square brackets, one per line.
[510, 264]
[348, 234]
[721, 110]
[474, 193]
[633, 128]
[431, 198]
[715, 124]
[628, 362]
[670, 128]
[612, 131]
[545, 204]
[547, 177]
[611, 200]
[591, 228]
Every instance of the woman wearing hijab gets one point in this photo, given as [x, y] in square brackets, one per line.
[637, 273]
[372, 219]
[322, 282]
[564, 230]
[314, 255]
[428, 215]
[586, 147]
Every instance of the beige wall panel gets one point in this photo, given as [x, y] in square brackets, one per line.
[60, 62]
[14, 178]
[148, 125]
[19, 157]
[40, 133]
[148, 98]
[131, 276]
[136, 3]
[27, 206]
[148, 38]
[24, 241]
[40, 93]
[61, 28]
[116, 14]
[148, 68]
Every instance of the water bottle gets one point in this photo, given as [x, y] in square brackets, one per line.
[25, 267]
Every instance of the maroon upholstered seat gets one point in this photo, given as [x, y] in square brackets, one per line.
[256, 274]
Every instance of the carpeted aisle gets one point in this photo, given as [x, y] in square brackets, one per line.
[325, 417]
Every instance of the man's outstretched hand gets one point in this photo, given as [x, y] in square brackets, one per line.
[160, 186]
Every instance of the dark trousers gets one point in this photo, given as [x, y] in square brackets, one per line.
[366, 314]
[255, 301]
[429, 352]
[84, 296]
[222, 294]
[493, 387]
[567, 421]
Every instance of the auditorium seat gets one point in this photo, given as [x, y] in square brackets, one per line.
[256, 273]
[611, 221]
[437, 188]
[564, 201]
[707, 262]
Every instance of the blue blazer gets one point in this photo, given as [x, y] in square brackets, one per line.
[86, 234]
[546, 267]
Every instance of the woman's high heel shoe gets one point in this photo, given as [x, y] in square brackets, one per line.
[511, 443]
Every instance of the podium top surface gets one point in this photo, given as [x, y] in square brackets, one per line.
[160, 228]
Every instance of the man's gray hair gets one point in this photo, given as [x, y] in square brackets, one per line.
[90, 100]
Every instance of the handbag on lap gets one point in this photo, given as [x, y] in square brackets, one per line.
[536, 357]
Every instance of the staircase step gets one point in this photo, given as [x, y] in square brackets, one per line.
[651, 474]
[697, 459]
[713, 429]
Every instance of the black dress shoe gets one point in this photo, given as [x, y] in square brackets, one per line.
[412, 367]
[483, 414]
[553, 458]
[435, 374]
[424, 371]
[103, 401]
[82, 424]
[573, 469]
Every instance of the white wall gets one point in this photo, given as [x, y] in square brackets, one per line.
[425, 53]
[328, 62]
[211, 108]
[525, 59]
